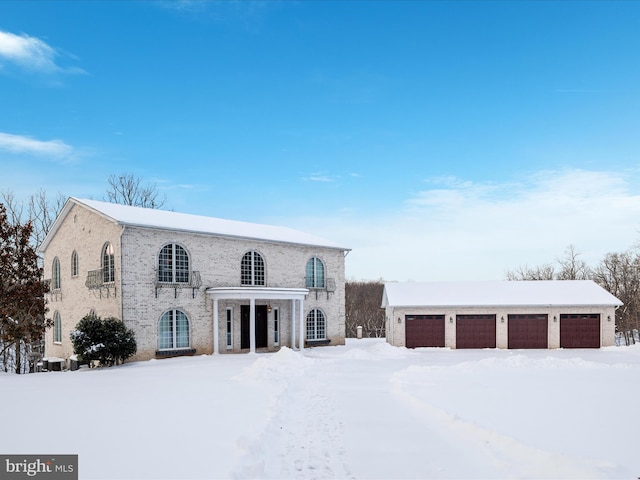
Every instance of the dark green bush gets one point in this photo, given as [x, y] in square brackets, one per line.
[107, 340]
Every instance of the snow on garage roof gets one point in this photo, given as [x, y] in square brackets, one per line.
[163, 219]
[497, 293]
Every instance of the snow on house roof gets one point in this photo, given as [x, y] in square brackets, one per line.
[497, 293]
[167, 220]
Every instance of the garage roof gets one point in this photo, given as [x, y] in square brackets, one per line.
[497, 293]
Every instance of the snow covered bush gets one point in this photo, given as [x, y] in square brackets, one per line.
[107, 340]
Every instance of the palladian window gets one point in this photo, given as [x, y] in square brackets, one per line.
[314, 276]
[252, 269]
[173, 264]
[316, 325]
[173, 330]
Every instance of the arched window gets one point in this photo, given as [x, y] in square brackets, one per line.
[74, 264]
[252, 269]
[55, 274]
[314, 275]
[108, 264]
[57, 328]
[173, 264]
[173, 330]
[316, 325]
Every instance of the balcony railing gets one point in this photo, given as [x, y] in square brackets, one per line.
[328, 284]
[95, 279]
[192, 280]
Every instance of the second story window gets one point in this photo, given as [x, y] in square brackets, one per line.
[74, 264]
[314, 275]
[108, 263]
[173, 264]
[55, 274]
[252, 269]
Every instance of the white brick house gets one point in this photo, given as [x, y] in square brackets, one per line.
[189, 284]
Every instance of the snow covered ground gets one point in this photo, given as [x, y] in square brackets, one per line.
[365, 410]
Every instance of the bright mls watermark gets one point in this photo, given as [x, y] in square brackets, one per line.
[49, 467]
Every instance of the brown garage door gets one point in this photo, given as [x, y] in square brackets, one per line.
[424, 330]
[580, 330]
[475, 331]
[528, 331]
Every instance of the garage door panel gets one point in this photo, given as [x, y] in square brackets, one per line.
[424, 331]
[475, 331]
[528, 331]
[580, 330]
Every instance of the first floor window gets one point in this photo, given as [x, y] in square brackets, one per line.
[173, 330]
[229, 329]
[276, 327]
[57, 328]
[316, 325]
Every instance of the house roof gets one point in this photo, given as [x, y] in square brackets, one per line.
[162, 219]
[497, 293]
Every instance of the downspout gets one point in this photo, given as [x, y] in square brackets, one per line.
[121, 272]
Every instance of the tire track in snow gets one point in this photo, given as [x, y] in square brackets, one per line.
[493, 452]
[303, 439]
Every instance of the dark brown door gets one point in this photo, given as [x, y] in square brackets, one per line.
[424, 330]
[528, 331]
[580, 330]
[475, 331]
[261, 326]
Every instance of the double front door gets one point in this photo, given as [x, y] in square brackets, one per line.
[261, 326]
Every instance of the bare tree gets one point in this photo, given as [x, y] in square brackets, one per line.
[571, 267]
[619, 273]
[362, 308]
[40, 211]
[127, 189]
[541, 272]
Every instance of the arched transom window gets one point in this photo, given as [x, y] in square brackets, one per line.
[55, 274]
[173, 264]
[314, 275]
[252, 269]
[316, 325]
[108, 263]
[173, 330]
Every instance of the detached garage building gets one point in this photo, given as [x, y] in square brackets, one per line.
[525, 314]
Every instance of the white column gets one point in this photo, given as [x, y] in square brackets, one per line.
[216, 340]
[252, 325]
[293, 324]
[301, 347]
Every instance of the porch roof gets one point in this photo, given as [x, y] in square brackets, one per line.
[262, 293]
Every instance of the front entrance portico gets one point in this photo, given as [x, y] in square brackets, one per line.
[295, 295]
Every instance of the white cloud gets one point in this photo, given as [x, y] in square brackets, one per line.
[26, 145]
[31, 53]
[462, 230]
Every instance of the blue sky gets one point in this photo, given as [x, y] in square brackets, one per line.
[438, 140]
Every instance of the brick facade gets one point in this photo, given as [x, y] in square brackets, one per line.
[140, 300]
